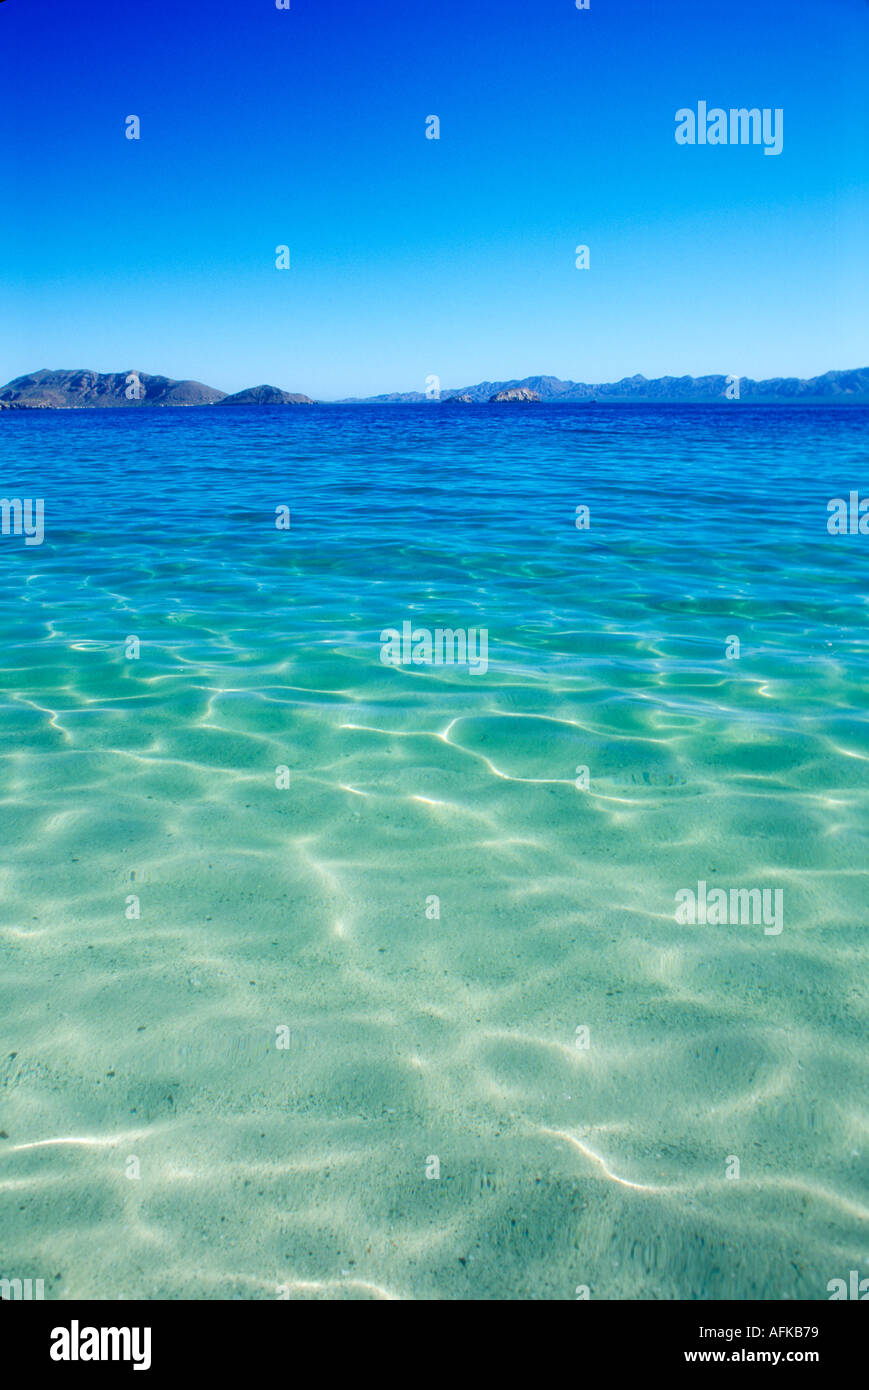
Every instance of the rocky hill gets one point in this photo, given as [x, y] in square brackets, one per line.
[265, 395]
[71, 389]
[515, 395]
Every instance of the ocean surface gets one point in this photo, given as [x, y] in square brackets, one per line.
[414, 1018]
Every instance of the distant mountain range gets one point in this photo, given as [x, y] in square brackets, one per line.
[81, 389]
[45, 390]
[840, 388]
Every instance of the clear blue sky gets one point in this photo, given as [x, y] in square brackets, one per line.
[412, 256]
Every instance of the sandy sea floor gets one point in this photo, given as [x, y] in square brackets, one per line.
[242, 1092]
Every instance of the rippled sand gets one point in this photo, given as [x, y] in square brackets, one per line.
[149, 1045]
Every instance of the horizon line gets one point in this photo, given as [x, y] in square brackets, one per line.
[436, 394]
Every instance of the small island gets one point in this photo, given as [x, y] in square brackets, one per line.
[513, 395]
[265, 395]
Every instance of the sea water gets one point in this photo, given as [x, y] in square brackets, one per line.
[332, 976]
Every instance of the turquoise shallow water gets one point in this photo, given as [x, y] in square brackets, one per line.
[148, 1045]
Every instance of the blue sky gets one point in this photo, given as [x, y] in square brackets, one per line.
[411, 256]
